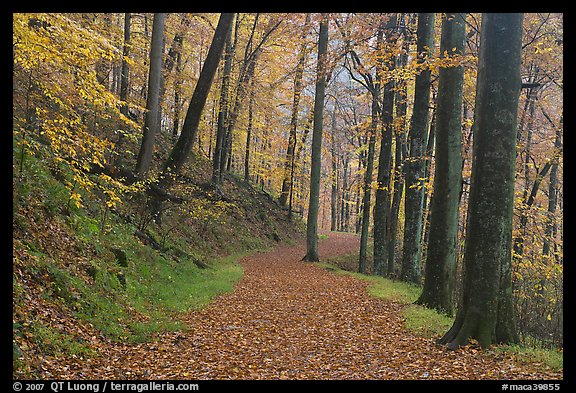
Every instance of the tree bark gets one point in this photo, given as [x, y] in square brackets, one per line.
[249, 134]
[182, 148]
[441, 254]
[290, 149]
[486, 312]
[152, 99]
[382, 200]
[124, 74]
[334, 182]
[313, 205]
[223, 108]
[415, 165]
[399, 155]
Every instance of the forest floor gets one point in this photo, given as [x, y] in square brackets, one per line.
[288, 319]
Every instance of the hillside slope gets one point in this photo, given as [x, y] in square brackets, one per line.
[84, 276]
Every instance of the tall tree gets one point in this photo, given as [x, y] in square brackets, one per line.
[151, 122]
[182, 148]
[124, 74]
[314, 201]
[551, 226]
[382, 200]
[486, 312]
[415, 164]
[441, 255]
[223, 106]
[298, 86]
[401, 102]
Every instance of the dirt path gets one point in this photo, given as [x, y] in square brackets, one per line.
[288, 319]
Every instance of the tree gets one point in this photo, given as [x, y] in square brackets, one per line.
[223, 107]
[151, 122]
[441, 255]
[298, 85]
[415, 164]
[400, 153]
[382, 200]
[183, 145]
[486, 312]
[314, 202]
[124, 75]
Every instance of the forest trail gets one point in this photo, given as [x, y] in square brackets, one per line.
[288, 319]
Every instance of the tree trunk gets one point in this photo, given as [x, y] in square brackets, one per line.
[486, 312]
[299, 74]
[152, 99]
[313, 205]
[249, 134]
[223, 109]
[441, 255]
[382, 200]
[399, 155]
[551, 226]
[183, 146]
[334, 182]
[124, 75]
[415, 165]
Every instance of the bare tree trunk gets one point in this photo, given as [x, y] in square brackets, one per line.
[152, 104]
[223, 109]
[415, 166]
[441, 255]
[286, 182]
[313, 205]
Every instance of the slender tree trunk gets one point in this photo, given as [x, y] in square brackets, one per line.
[486, 312]
[367, 188]
[223, 109]
[249, 134]
[427, 199]
[177, 94]
[124, 75]
[298, 77]
[525, 208]
[344, 210]
[334, 182]
[551, 226]
[382, 200]
[415, 165]
[441, 255]
[399, 156]
[313, 205]
[152, 100]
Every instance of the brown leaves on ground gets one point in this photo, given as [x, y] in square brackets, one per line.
[288, 319]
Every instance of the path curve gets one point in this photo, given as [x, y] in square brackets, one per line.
[288, 319]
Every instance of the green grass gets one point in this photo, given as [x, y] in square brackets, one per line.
[418, 319]
[429, 323]
[549, 357]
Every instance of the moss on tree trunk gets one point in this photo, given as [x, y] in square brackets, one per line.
[486, 313]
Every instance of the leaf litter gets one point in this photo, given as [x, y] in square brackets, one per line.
[288, 319]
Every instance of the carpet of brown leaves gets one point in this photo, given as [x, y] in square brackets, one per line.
[288, 319]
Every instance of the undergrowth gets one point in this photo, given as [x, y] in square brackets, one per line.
[82, 275]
